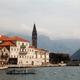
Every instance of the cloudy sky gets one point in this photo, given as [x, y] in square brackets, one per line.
[54, 18]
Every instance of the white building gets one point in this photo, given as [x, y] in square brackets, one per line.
[21, 53]
[39, 56]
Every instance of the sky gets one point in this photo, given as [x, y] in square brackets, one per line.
[54, 18]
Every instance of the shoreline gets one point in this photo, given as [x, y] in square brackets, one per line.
[28, 66]
[31, 66]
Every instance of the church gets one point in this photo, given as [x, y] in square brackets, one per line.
[16, 50]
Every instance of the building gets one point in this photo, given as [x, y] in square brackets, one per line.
[18, 51]
[5, 43]
[34, 36]
[24, 54]
[55, 58]
[39, 57]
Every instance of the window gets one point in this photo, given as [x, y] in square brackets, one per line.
[26, 61]
[17, 49]
[27, 57]
[4, 50]
[22, 43]
[14, 49]
[20, 62]
[41, 56]
[11, 56]
[18, 43]
[36, 54]
[32, 56]
[14, 56]
[11, 49]
[21, 50]
[20, 56]
[24, 49]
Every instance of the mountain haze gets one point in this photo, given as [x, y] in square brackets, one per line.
[59, 45]
[76, 55]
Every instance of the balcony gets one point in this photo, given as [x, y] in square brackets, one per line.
[22, 52]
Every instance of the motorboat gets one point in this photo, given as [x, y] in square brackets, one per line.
[3, 67]
[20, 71]
[62, 64]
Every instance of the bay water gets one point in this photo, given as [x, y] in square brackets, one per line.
[46, 73]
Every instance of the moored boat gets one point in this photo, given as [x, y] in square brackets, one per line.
[62, 64]
[3, 67]
[20, 71]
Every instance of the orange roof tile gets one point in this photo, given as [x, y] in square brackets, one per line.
[4, 38]
[16, 38]
[7, 43]
[1, 47]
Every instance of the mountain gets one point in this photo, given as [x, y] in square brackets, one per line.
[76, 55]
[61, 45]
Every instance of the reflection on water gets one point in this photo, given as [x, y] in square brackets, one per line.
[49, 73]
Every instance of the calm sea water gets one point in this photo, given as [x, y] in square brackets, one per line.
[49, 73]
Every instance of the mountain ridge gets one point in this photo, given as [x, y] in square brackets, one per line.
[59, 45]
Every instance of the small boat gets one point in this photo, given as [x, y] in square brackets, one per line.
[62, 64]
[20, 71]
[3, 67]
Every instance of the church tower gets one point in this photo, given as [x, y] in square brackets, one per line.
[34, 36]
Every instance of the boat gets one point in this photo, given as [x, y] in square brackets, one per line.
[20, 71]
[3, 67]
[62, 64]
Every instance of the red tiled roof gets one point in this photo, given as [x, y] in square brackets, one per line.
[1, 47]
[4, 38]
[16, 38]
[7, 43]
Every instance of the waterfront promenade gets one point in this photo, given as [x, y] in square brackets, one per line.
[28, 66]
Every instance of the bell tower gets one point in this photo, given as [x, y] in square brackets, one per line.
[34, 36]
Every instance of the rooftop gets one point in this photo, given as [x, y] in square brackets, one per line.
[4, 38]
[16, 38]
[7, 43]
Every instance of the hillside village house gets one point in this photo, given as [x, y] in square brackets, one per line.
[16, 50]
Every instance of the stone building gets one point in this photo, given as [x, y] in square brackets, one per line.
[55, 58]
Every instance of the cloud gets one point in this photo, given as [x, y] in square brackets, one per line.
[54, 18]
